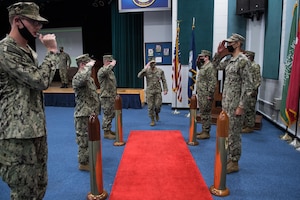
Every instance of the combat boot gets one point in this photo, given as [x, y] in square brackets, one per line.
[247, 130]
[232, 166]
[113, 133]
[84, 167]
[152, 122]
[157, 117]
[108, 135]
[203, 135]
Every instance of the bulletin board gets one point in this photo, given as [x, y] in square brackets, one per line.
[161, 51]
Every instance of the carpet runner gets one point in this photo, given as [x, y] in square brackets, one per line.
[158, 165]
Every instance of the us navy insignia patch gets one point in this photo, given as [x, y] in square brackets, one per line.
[143, 3]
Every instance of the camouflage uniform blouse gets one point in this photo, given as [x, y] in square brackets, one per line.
[153, 78]
[64, 60]
[238, 82]
[22, 82]
[107, 81]
[255, 71]
[86, 96]
[206, 80]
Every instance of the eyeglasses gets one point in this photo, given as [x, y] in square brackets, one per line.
[33, 22]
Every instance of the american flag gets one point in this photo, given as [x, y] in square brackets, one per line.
[176, 75]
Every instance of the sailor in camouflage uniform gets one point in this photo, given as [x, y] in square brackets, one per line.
[63, 66]
[154, 78]
[250, 112]
[108, 93]
[205, 87]
[23, 137]
[87, 103]
[237, 88]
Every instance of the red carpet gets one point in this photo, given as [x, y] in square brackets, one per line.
[158, 165]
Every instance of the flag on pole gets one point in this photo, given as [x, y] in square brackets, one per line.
[176, 72]
[288, 66]
[292, 100]
[192, 65]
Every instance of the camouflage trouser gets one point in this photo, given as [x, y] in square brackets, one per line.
[108, 108]
[250, 113]
[205, 106]
[154, 102]
[23, 166]
[81, 127]
[234, 137]
[63, 73]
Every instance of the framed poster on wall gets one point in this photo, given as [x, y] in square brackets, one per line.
[161, 51]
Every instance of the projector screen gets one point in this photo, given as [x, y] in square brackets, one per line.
[70, 38]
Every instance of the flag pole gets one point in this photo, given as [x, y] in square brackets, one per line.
[175, 112]
[295, 143]
[193, 27]
[176, 72]
[286, 136]
[296, 130]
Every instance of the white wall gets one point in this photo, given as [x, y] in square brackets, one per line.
[158, 28]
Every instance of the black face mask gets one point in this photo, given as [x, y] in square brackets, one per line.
[25, 33]
[199, 63]
[230, 48]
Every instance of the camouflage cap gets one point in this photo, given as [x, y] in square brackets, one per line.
[250, 53]
[110, 57]
[26, 9]
[205, 53]
[83, 58]
[235, 37]
[151, 60]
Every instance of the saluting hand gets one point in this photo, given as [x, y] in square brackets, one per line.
[91, 63]
[222, 50]
[113, 63]
[49, 41]
[147, 65]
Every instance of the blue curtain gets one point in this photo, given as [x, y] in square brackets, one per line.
[203, 11]
[272, 40]
[127, 47]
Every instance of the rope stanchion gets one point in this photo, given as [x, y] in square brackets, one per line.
[219, 187]
[95, 160]
[193, 121]
[119, 128]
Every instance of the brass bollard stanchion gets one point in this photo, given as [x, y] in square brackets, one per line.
[193, 122]
[219, 187]
[119, 128]
[95, 160]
